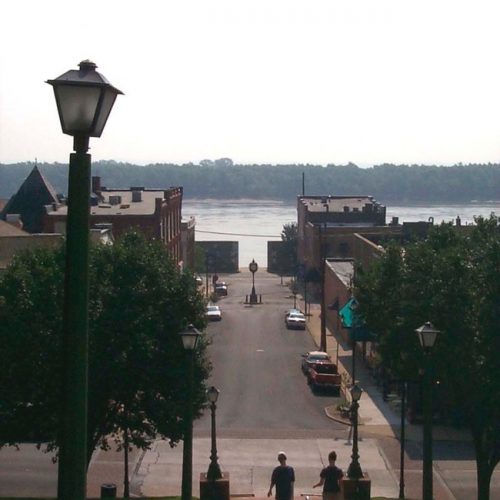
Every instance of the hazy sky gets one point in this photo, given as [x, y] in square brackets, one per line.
[264, 81]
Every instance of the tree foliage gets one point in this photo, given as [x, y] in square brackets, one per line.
[139, 302]
[452, 279]
[287, 250]
[221, 179]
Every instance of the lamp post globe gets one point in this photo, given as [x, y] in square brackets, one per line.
[427, 336]
[84, 101]
[190, 337]
[213, 394]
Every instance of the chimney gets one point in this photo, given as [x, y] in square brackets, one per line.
[96, 185]
[136, 195]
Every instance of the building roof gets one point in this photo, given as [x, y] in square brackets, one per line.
[337, 203]
[7, 229]
[119, 202]
[343, 268]
[29, 201]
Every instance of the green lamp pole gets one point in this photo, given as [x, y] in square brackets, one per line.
[427, 335]
[354, 471]
[84, 101]
[214, 471]
[189, 340]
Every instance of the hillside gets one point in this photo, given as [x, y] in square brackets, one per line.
[404, 184]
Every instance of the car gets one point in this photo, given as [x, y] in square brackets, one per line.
[213, 313]
[199, 280]
[290, 311]
[220, 288]
[324, 375]
[296, 320]
[314, 357]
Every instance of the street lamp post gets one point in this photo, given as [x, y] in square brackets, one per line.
[427, 335]
[214, 471]
[190, 338]
[354, 471]
[84, 101]
[402, 444]
[253, 267]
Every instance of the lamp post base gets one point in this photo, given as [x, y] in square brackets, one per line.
[214, 490]
[356, 489]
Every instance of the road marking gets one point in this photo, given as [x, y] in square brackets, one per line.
[259, 350]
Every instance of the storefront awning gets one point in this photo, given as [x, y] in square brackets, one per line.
[358, 331]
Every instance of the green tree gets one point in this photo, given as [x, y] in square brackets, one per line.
[287, 251]
[453, 279]
[139, 302]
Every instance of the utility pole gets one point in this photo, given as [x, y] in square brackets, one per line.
[323, 305]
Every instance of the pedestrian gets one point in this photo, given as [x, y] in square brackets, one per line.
[283, 477]
[330, 478]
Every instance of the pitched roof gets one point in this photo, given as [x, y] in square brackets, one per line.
[29, 201]
[7, 229]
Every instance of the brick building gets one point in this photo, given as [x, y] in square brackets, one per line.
[154, 212]
[342, 226]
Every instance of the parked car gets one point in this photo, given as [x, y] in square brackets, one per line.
[291, 311]
[313, 357]
[220, 288]
[324, 375]
[213, 313]
[199, 280]
[296, 320]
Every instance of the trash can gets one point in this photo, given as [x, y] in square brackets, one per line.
[108, 490]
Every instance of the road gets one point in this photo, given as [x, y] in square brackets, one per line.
[256, 366]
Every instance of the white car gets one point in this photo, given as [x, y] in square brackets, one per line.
[213, 313]
[295, 320]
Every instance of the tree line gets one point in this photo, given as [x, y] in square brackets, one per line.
[222, 178]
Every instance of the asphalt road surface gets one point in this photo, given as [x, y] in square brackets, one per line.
[256, 366]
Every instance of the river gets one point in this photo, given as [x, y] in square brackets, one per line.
[255, 222]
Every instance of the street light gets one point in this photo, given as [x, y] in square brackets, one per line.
[253, 267]
[427, 335]
[84, 101]
[190, 338]
[354, 471]
[214, 471]
[402, 443]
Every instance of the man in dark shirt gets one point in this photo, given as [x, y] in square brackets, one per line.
[330, 479]
[283, 477]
